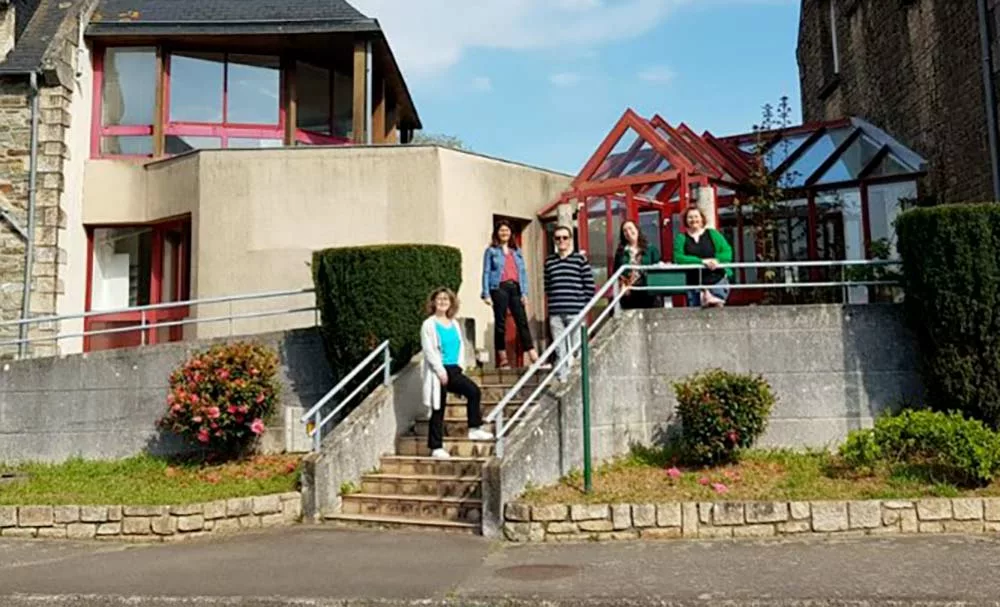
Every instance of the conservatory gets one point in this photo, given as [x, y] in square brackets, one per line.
[843, 183]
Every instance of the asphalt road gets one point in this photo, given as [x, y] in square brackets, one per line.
[325, 566]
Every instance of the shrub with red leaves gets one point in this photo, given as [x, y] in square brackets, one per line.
[220, 397]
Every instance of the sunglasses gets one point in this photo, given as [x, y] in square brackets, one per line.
[561, 238]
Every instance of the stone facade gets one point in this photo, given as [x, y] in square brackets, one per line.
[151, 523]
[56, 94]
[715, 520]
[913, 69]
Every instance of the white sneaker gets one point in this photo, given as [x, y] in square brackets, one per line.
[440, 454]
[480, 434]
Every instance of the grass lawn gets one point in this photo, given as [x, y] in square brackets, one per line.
[145, 480]
[642, 477]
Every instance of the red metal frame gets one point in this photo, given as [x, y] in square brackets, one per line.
[181, 281]
[224, 130]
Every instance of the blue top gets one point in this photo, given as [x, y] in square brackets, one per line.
[451, 343]
[493, 260]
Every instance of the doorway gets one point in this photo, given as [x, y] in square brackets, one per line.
[513, 348]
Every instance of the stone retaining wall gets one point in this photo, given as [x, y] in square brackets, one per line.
[151, 523]
[713, 520]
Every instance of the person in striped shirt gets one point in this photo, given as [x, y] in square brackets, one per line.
[569, 285]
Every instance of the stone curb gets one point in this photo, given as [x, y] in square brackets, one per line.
[151, 523]
[715, 520]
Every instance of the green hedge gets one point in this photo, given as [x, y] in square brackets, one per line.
[951, 273]
[369, 294]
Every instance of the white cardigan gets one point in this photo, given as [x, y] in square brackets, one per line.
[433, 365]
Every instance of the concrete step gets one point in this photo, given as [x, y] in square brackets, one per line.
[456, 409]
[495, 376]
[421, 484]
[395, 522]
[457, 447]
[492, 393]
[458, 509]
[456, 466]
[455, 427]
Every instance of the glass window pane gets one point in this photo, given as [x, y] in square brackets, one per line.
[254, 95]
[810, 160]
[178, 144]
[612, 165]
[129, 90]
[313, 103]
[196, 83]
[782, 149]
[343, 105]
[854, 159]
[649, 225]
[597, 232]
[122, 268]
[127, 146]
[890, 165]
[251, 143]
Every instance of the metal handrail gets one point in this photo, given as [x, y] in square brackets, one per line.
[316, 411]
[612, 284]
[144, 326]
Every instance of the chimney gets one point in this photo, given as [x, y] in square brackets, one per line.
[7, 30]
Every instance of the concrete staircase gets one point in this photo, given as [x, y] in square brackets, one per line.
[413, 490]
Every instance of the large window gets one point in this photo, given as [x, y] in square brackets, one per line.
[211, 100]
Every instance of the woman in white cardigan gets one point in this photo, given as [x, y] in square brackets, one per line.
[441, 341]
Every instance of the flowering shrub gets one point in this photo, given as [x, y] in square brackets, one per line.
[220, 397]
[721, 413]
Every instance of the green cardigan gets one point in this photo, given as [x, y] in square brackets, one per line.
[723, 252]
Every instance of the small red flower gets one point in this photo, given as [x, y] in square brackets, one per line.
[203, 435]
[257, 426]
[213, 412]
[674, 472]
[720, 488]
[260, 398]
[196, 419]
[703, 481]
[233, 409]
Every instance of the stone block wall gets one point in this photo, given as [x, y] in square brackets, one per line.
[151, 523]
[911, 68]
[725, 520]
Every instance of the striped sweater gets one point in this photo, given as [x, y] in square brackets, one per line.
[569, 283]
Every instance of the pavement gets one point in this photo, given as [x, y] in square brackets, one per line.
[321, 566]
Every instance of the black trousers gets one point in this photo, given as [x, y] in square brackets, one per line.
[461, 385]
[508, 296]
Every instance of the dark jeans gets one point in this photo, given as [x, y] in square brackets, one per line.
[461, 385]
[508, 295]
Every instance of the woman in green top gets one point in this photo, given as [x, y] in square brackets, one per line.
[633, 249]
[701, 245]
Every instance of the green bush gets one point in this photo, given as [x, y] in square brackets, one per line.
[721, 413]
[960, 450]
[369, 294]
[951, 275]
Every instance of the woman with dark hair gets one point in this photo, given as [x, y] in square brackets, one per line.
[505, 287]
[701, 245]
[634, 249]
[444, 354]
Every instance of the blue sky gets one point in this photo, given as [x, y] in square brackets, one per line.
[542, 81]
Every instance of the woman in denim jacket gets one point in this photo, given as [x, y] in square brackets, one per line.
[505, 286]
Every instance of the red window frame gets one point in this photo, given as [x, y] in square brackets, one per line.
[181, 281]
[224, 130]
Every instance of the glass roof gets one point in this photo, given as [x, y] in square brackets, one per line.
[631, 156]
[852, 161]
[796, 175]
[890, 165]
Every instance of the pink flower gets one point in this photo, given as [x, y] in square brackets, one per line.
[223, 374]
[203, 435]
[254, 371]
[171, 398]
[733, 437]
[194, 399]
[674, 472]
[731, 475]
[213, 413]
[703, 481]
[176, 408]
[244, 409]
[720, 488]
[196, 419]
[260, 398]
[257, 427]
[233, 409]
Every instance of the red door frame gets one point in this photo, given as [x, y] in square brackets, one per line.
[181, 280]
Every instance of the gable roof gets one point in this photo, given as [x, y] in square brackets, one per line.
[227, 17]
[37, 23]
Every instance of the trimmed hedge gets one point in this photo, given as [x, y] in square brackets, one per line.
[951, 273]
[369, 294]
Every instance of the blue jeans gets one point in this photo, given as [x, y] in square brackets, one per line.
[719, 290]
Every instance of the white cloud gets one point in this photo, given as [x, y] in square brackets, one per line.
[657, 73]
[565, 79]
[482, 84]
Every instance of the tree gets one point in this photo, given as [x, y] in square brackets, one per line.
[445, 141]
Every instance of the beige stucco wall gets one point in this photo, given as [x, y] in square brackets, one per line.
[257, 215]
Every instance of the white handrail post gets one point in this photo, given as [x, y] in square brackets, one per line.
[498, 430]
[142, 327]
[386, 374]
[316, 436]
[615, 290]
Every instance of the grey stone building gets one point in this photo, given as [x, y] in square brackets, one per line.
[915, 68]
